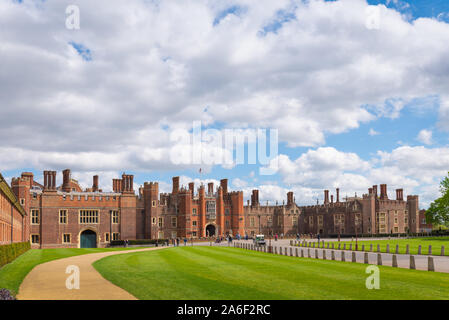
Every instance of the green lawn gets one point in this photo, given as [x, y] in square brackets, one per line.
[12, 274]
[221, 273]
[414, 243]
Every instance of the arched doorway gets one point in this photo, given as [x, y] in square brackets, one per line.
[210, 230]
[88, 239]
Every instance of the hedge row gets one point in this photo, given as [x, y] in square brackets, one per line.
[138, 242]
[11, 251]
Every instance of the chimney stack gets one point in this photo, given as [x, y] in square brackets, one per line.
[326, 196]
[400, 194]
[290, 200]
[192, 188]
[175, 185]
[117, 185]
[338, 195]
[49, 180]
[255, 198]
[332, 198]
[383, 192]
[375, 191]
[95, 184]
[224, 185]
[210, 188]
[66, 180]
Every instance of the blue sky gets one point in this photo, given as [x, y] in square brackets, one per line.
[353, 106]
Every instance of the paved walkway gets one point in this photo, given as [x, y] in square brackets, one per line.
[47, 281]
[441, 264]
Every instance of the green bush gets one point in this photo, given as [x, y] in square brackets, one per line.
[11, 251]
[138, 242]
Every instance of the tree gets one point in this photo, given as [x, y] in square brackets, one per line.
[438, 212]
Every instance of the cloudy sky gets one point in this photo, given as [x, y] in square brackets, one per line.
[357, 91]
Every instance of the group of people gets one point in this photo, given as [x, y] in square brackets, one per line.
[175, 242]
[309, 236]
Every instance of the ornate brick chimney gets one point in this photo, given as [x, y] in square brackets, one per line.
[383, 192]
[326, 196]
[95, 184]
[400, 194]
[224, 185]
[290, 199]
[175, 185]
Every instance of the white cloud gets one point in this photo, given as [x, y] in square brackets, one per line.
[416, 169]
[151, 66]
[373, 132]
[425, 136]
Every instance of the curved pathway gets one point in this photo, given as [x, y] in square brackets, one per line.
[47, 281]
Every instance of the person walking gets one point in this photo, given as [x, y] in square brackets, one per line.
[177, 242]
[185, 242]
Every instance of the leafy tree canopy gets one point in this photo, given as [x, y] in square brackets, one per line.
[438, 212]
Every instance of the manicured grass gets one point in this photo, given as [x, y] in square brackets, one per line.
[435, 242]
[12, 274]
[227, 273]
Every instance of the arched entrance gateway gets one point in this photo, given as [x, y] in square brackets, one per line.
[210, 230]
[88, 239]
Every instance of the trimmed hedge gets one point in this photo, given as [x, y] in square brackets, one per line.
[138, 242]
[11, 251]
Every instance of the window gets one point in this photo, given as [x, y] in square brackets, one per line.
[357, 218]
[62, 216]
[252, 222]
[161, 223]
[339, 223]
[210, 209]
[160, 235]
[396, 229]
[311, 221]
[194, 234]
[194, 223]
[153, 221]
[295, 221]
[174, 222]
[270, 221]
[194, 211]
[22, 202]
[280, 220]
[34, 216]
[106, 237]
[35, 238]
[227, 223]
[115, 236]
[88, 217]
[34, 195]
[320, 221]
[395, 220]
[66, 238]
[226, 212]
[153, 203]
[382, 228]
[115, 216]
[405, 220]
[174, 234]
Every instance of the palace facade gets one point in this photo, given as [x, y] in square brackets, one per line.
[67, 216]
[13, 216]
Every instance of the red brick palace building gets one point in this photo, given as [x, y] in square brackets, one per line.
[67, 216]
[13, 216]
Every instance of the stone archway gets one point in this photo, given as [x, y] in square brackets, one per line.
[88, 239]
[211, 230]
